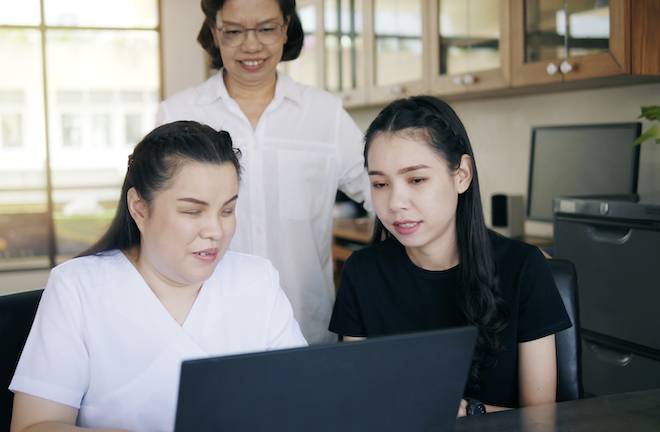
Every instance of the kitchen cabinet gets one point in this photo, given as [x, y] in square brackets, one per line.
[397, 35]
[470, 45]
[561, 41]
[370, 52]
[333, 53]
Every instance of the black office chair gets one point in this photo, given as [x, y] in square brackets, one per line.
[16, 316]
[569, 344]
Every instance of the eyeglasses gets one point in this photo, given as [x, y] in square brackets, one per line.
[267, 33]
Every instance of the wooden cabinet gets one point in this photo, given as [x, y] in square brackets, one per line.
[397, 34]
[470, 45]
[562, 41]
[370, 52]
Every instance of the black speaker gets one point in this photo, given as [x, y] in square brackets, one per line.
[508, 215]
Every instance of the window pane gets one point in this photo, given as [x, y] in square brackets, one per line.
[398, 50]
[544, 30]
[303, 69]
[104, 86]
[102, 13]
[22, 12]
[81, 215]
[23, 199]
[343, 45]
[589, 27]
[469, 35]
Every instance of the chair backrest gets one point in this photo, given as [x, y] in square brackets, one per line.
[16, 316]
[569, 344]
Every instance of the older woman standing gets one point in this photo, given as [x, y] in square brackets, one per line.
[299, 147]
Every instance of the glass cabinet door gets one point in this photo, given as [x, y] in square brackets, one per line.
[305, 68]
[562, 40]
[470, 49]
[344, 59]
[398, 48]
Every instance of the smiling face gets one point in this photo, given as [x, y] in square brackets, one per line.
[415, 196]
[251, 63]
[188, 227]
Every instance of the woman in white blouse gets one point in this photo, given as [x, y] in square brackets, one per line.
[299, 147]
[115, 323]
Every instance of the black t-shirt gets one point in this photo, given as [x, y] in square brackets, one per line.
[382, 292]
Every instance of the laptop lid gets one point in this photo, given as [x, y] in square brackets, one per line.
[411, 382]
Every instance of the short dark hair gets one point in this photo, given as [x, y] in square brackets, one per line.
[433, 121]
[292, 47]
[152, 167]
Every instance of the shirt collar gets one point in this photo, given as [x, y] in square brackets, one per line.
[214, 88]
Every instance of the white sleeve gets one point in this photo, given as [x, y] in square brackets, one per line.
[353, 180]
[283, 329]
[54, 364]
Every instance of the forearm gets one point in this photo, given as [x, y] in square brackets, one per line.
[54, 426]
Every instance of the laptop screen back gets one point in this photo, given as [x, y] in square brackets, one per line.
[396, 383]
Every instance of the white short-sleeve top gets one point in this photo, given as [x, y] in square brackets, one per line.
[102, 341]
[303, 149]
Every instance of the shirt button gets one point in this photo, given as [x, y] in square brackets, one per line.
[255, 148]
[258, 230]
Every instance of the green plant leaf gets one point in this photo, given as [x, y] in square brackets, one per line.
[651, 133]
[651, 112]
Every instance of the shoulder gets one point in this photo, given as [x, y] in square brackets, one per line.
[93, 267]
[203, 94]
[510, 252]
[310, 98]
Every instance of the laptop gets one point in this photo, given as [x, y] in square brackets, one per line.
[410, 382]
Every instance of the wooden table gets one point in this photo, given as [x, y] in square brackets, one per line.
[626, 412]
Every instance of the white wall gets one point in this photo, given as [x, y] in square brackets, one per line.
[500, 132]
[184, 61]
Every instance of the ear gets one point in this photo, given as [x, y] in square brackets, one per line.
[463, 176]
[137, 207]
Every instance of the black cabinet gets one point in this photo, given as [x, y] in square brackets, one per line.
[614, 243]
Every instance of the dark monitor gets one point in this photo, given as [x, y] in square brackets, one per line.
[580, 160]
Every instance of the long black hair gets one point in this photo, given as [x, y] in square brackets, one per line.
[292, 47]
[152, 168]
[479, 300]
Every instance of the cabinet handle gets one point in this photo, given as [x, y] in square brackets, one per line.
[609, 354]
[565, 67]
[552, 69]
[465, 79]
[611, 235]
[394, 90]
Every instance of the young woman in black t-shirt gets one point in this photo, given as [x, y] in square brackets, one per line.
[433, 263]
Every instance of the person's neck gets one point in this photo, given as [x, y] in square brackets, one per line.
[261, 91]
[177, 300]
[439, 256]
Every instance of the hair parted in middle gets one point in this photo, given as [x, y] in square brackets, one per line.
[292, 47]
[432, 121]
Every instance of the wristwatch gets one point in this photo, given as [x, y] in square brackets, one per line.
[474, 406]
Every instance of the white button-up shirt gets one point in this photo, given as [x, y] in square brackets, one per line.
[303, 149]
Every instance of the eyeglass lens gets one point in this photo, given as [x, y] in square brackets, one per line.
[267, 33]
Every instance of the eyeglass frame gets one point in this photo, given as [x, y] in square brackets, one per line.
[222, 40]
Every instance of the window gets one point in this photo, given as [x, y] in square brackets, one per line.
[83, 88]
